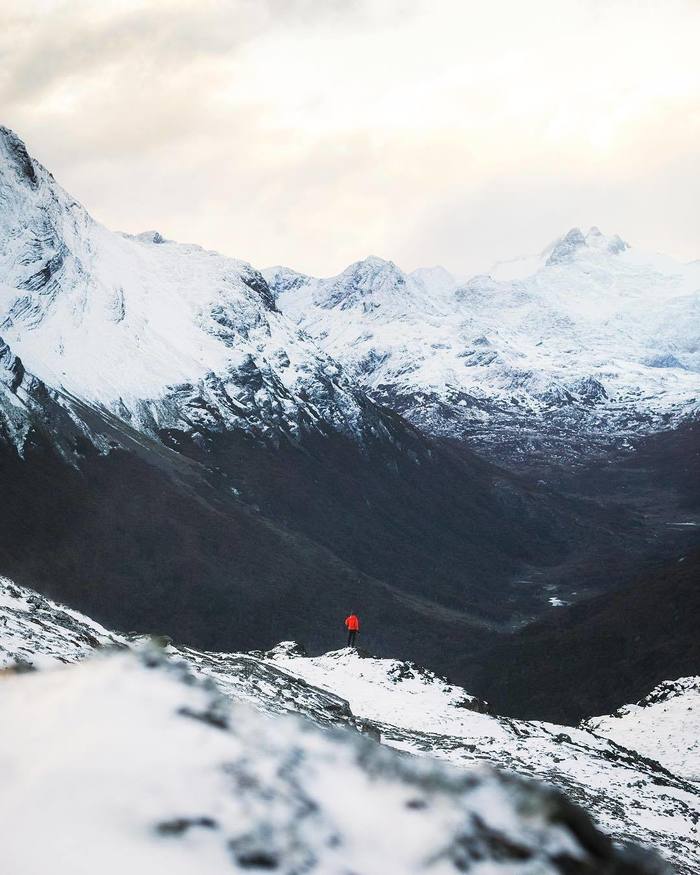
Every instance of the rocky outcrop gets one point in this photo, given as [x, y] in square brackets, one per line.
[406, 707]
[155, 754]
[11, 368]
[183, 773]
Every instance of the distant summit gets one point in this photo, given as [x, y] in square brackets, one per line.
[18, 158]
[364, 282]
[587, 342]
[566, 247]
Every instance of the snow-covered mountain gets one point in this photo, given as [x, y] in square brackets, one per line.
[128, 726]
[155, 773]
[581, 347]
[176, 452]
[663, 725]
[159, 334]
[223, 472]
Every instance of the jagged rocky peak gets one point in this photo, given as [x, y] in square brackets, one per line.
[371, 268]
[566, 248]
[662, 726]
[164, 335]
[365, 283]
[477, 285]
[13, 150]
[43, 237]
[668, 690]
[433, 279]
[613, 244]
[11, 368]
[283, 279]
[608, 339]
[150, 237]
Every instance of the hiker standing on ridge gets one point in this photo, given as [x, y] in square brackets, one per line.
[352, 624]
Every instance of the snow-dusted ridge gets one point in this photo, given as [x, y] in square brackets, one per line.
[663, 725]
[592, 341]
[161, 334]
[408, 708]
[156, 773]
[589, 343]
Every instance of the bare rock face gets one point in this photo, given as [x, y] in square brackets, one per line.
[565, 248]
[15, 153]
[11, 368]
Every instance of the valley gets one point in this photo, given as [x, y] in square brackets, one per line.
[190, 444]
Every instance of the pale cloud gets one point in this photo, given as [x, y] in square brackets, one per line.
[311, 132]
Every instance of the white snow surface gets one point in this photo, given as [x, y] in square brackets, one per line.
[403, 705]
[591, 335]
[124, 763]
[589, 329]
[664, 725]
[141, 325]
[125, 767]
[387, 690]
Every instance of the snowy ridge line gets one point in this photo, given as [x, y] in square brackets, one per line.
[589, 343]
[675, 705]
[166, 775]
[591, 336]
[161, 334]
[633, 798]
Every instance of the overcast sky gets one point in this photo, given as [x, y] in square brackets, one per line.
[312, 133]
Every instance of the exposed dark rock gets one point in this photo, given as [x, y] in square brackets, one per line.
[180, 825]
[17, 151]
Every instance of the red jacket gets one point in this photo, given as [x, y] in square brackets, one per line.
[352, 623]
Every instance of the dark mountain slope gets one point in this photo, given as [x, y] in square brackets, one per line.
[176, 454]
[143, 547]
[234, 542]
[443, 525]
[587, 658]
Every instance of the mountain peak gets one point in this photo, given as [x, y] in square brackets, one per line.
[364, 282]
[434, 279]
[372, 264]
[283, 279]
[17, 155]
[566, 248]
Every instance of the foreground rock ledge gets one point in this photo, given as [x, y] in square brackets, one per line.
[127, 763]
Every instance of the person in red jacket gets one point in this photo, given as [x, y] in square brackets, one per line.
[352, 624]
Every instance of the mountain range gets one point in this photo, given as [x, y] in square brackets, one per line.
[240, 456]
[547, 358]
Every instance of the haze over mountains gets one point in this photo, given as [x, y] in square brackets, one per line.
[192, 445]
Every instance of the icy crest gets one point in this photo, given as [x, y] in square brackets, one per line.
[663, 725]
[592, 339]
[161, 334]
[367, 283]
[574, 242]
